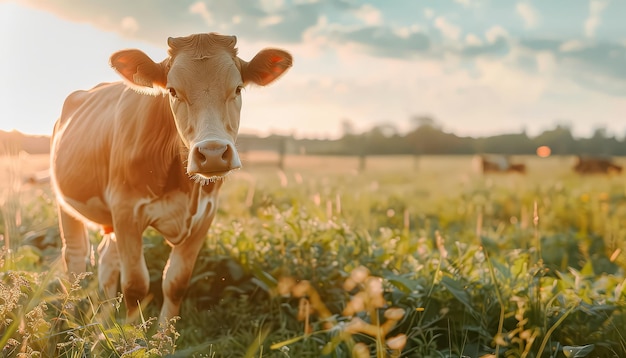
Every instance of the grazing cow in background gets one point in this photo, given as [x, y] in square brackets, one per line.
[498, 164]
[595, 165]
[151, 151]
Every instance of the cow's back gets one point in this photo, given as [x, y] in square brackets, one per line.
[81, 147]
[78, 163]
[112, 140]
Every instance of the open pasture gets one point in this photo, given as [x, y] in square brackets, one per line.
[412, 257]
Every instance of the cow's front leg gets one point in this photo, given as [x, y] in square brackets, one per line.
[135, 279]
[177, 273]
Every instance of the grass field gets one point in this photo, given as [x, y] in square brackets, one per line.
[409, 258]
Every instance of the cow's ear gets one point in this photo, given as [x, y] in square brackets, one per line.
[266, 66]
[138, 69]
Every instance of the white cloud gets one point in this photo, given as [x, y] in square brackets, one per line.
[369, 15]
[470, 3]
[199, 8]
[513, 86]
[314, 39]
[272, 5]
[528, 13]
[270, 20]
[495, 32]
[429, 13]
[448, 29]
[129, 25]
[546, 62]
[473, 40]
[406, 31]
[572, 45]
[596, 7]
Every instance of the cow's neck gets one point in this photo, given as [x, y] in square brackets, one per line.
[156, 160]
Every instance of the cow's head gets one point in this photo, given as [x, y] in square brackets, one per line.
[204, 77]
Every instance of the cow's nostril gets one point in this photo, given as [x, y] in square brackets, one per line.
[228, 154]
[199, 156]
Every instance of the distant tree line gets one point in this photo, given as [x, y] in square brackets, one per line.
[14, 142]
[428, 138]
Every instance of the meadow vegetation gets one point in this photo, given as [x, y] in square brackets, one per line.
[413, 257]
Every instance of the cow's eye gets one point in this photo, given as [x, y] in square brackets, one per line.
[172, 92]
[238, 90]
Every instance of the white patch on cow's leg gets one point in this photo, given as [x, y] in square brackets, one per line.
[75, 243]
[108, 266]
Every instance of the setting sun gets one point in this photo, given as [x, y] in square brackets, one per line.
[544, 151]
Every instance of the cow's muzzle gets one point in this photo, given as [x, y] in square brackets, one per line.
[211, 159]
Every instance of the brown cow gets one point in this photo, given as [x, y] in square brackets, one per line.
[499, 164]
[595, 165]
[151, 152]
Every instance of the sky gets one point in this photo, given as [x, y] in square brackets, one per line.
[478, 67]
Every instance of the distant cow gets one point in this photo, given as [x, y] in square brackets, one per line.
[151, 151]
[596, 165]
[498, 164]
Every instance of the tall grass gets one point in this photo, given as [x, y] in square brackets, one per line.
[10, 189]
[333, 262]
